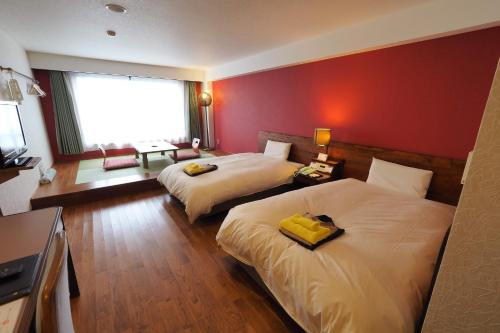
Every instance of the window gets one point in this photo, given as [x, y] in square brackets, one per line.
[117, 110]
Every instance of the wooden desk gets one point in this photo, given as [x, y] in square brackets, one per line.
[154, 147]
[26, 234]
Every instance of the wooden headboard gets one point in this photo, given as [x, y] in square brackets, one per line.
[445, 185]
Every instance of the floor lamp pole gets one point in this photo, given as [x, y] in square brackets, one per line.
[206, 129]
[206, 100]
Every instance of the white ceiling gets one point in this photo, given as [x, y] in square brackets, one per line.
[182, 33]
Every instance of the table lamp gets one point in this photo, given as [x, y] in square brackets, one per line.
[322, 137]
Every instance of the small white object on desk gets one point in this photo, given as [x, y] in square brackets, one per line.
[48, 176]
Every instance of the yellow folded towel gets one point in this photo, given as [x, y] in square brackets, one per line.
[304, 221]
[309, 235]
[193, 167]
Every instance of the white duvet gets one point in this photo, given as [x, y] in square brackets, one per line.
[374, 278]
[237, 175]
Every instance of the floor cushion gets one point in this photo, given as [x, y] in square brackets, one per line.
[120, 163]
[185, 155]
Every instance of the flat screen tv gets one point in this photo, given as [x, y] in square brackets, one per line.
[12, 140]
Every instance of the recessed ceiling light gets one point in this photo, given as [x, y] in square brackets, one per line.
[111, 33]
[113, 7]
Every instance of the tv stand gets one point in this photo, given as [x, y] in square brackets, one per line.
[20, 162]
[11, 171]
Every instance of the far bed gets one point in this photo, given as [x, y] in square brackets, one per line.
[239, 178]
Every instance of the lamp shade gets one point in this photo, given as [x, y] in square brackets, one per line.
[15, 91]
[205, 99]
[35, 90]
[322, 136]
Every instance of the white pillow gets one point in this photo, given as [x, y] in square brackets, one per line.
[399, 178]
[277, 149]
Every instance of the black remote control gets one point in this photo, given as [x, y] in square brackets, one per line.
[10, 271]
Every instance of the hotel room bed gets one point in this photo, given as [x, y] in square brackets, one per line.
[374, 278]
[237, 175]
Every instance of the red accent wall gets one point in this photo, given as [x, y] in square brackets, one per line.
[426, 97]
[48, 113]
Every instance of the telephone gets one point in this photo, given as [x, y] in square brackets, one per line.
[311, 172]
[324, 167]
[318, 169]
[307, 170]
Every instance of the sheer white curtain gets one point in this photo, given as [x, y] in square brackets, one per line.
[117, 110]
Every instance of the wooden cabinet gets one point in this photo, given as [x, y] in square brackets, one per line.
[23, 235]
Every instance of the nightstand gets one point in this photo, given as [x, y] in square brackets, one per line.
[301, 180]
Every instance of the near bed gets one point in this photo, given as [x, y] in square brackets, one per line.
[374, 278]
[377, 276]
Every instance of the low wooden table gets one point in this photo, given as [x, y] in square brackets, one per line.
[154, 147]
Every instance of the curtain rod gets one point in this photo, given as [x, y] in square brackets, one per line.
[130, 76]
[9, 69]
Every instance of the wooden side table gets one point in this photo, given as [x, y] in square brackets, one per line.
[338, 169]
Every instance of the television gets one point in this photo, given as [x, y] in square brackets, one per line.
[12, 140]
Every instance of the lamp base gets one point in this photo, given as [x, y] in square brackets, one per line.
[208, 149]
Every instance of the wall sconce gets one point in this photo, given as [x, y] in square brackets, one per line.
[15, 92]
[35, 90]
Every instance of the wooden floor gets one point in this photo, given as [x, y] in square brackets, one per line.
[142, 268]
[64, 192]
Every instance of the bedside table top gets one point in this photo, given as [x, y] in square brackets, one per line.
[306, 180]
[338, 166]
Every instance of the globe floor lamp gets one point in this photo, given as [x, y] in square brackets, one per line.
[206, 101]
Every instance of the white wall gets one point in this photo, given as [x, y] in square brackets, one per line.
[426, 21]
[15, 194]
[466, 297]
[78, 64]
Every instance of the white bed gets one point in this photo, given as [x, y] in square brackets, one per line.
[237, 175]
[374, 278]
